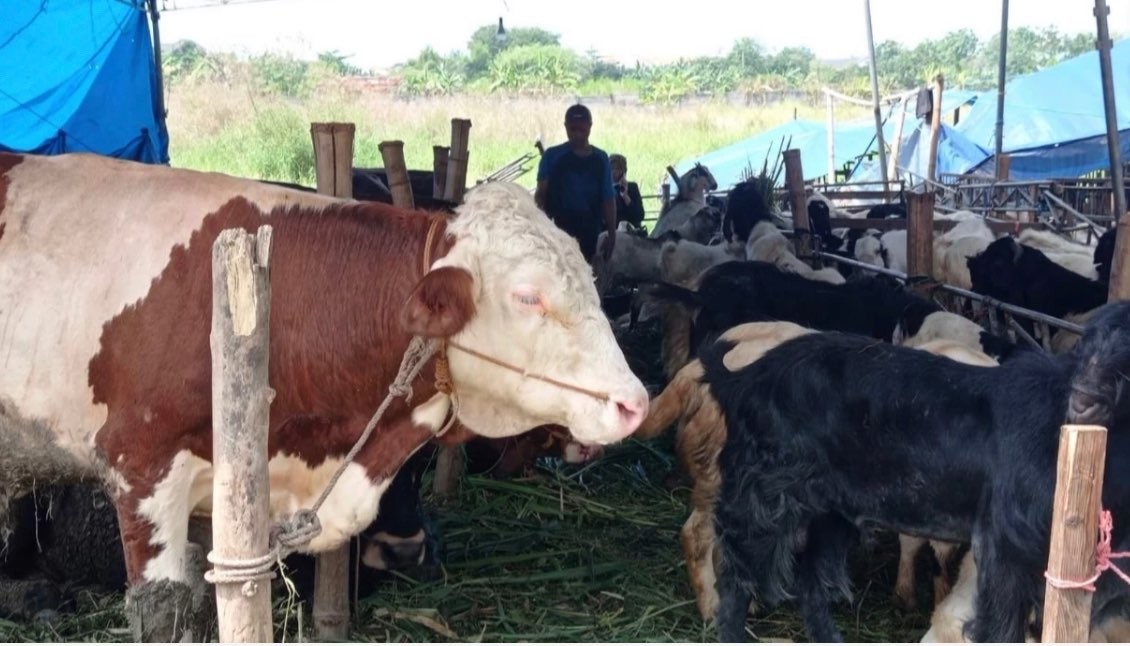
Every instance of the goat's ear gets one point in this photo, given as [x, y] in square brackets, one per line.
[441, 304]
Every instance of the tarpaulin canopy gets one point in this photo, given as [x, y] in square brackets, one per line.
[1054, 126]
[853, 140]
[79, 76]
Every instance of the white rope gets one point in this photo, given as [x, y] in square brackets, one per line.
[292, 532]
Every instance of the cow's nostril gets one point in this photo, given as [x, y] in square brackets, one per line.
[631, 413]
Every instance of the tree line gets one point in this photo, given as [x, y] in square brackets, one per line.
[532, 61]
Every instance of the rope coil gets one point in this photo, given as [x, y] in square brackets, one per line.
[291, 533]
[1103, 556]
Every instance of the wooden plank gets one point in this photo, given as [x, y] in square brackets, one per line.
[920, 234]
[1075, 519]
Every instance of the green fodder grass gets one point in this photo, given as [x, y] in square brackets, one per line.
[232, 128]
[587, 553]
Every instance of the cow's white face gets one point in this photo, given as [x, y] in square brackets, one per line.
[535, 307]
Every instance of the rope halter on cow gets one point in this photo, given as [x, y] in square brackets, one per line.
[291, 533]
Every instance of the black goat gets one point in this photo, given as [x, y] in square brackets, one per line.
[742, 292]
[829, 433]
[1024, 276]
[745, 207]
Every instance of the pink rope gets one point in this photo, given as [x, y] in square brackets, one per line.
[1103, 557]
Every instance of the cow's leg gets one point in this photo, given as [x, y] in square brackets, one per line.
[905, 583]
[167, 598]
[822, 575]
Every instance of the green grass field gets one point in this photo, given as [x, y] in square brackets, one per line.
[232, 129]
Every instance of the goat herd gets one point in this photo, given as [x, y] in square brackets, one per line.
[811, 405]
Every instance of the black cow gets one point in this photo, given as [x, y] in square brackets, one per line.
[830, 433]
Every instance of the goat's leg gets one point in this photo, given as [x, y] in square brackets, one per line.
[822, 575]
[905, 583]
[733, 606]
[1002, 602]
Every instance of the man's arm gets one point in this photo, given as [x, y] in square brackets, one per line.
[543, 180]
[539, 193]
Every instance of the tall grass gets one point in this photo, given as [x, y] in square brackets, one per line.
[236, 129]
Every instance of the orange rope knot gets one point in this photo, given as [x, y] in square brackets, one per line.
[1103, 556]
[443, 371]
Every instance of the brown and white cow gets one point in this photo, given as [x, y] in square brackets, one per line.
[105, 315]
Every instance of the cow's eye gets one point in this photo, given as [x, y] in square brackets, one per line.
[528, 299]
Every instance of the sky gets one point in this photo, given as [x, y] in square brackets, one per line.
[376, 34]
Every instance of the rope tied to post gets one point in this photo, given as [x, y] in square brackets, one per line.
[1103, 556]
[290, 533]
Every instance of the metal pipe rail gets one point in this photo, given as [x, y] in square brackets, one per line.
[1033, 315]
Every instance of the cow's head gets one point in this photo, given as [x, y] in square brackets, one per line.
[516, 288]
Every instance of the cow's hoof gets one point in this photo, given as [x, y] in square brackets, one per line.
[173, 611]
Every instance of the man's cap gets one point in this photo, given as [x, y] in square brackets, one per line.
[578, 113]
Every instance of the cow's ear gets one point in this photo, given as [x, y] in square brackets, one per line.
[440, 304]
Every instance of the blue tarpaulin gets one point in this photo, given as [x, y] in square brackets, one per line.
[1054, 126]
[1054, 121]
[79, 76]
[853, 140]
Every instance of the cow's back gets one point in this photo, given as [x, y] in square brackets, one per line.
[82, 237]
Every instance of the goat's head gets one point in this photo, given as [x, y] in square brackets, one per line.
[1102, 368]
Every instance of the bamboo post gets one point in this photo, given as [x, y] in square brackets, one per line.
[392, 152]
[449, 459]
[666, 189]
[920, 234]
[880, 144]
[1120, 267]
[241, 402]
[449, 472]
[935, 127]
[794, 182]
[331, 569]
[456, 182]
[439, 170]
[896, 146]
[830, 127]
[333, 157]
[1074, 530]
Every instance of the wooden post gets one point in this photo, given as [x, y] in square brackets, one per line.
[456, 183]
[830, 126]
[794, 182]
[439, 170]
[935, 128]
[1004, 167]
[241, 401]
[1074, 531]
[1120, 268]
[920, 234]
[333, 157]
[666, 195]
[331, 569]
[392, 152]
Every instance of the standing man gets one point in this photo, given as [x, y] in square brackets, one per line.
[575, 186]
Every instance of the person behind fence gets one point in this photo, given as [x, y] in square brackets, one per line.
[575, 186]
[629, 204]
